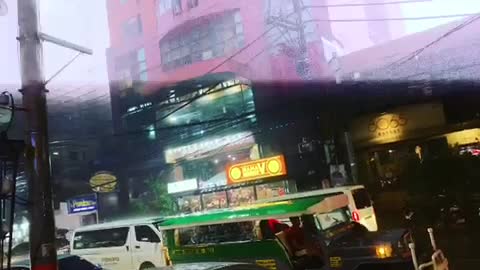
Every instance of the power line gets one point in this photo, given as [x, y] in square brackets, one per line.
[369, 4]
[394, 19]
[415, 53]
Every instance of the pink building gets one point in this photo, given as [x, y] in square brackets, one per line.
[167, 41]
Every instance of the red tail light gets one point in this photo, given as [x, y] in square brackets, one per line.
[355, 216]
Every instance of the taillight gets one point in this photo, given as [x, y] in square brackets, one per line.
[355, 216]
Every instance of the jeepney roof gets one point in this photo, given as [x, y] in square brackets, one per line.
[279, 209]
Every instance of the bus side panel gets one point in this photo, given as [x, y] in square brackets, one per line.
[268, 254]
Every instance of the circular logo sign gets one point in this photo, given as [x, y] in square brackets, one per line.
[274, 166]
[235, 173]
[103, 182]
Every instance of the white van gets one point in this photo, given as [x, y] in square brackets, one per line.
[123, 245]
[359, 203]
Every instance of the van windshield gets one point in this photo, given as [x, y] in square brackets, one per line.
[101, 238]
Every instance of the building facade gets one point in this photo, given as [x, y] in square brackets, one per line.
[181, 74]
[200, 56]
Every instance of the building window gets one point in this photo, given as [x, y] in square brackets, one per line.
[164, 6]
[73, 155]
[133, 27]
[142, 65]
[177, 7]
[203, 42]
[192, 3]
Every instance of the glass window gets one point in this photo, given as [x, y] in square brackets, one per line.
[164, 6]
[141, 55]
[241, 196]
[189, 204]
[102, 238]
[203, 42]
[73, 155]
[146, 234]
[214, 234]
[177, 7]
[192, 3]
[132, 27]
[143, 77]
[329, 220]
[215, 200]
[361, 198]
[270, 190]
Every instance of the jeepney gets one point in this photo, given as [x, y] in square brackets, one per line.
[237, 235]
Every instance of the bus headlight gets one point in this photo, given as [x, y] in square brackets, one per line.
[384, 251]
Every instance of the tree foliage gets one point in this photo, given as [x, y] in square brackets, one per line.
[156, 201]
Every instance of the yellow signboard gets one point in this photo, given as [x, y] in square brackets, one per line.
[103, 182]
[257, 169]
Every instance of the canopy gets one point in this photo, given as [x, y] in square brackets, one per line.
[279, 209]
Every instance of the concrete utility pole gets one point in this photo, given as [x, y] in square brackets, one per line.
[43, 253]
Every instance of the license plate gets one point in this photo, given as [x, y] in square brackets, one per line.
[336, 262]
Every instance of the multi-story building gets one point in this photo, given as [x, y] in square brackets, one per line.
[190, 62]
[165, 54]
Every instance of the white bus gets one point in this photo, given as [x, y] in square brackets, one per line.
[121, 245]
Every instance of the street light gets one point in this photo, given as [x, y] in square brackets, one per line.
[3, 8]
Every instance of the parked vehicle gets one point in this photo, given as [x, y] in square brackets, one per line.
[65, 262]
[21, 251]
[360, 203]
[125, 245]
[244, 234]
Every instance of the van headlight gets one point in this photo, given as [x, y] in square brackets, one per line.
[383, 251]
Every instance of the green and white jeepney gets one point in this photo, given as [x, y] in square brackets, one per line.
[237, 235]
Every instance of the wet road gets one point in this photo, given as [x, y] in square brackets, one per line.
[461, 246]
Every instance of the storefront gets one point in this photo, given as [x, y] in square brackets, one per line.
[240, 184]
[384, 143]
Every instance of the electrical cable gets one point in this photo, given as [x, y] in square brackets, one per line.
[437, 40]
[415, 53]
[394, 19]
[369, 4]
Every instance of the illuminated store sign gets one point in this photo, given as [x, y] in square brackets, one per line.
[199, 148]
[182, 186]
[82, 204]
[257, 169]
[399, 124]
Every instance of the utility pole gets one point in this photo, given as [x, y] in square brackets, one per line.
[43, 253]
[303, 65]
